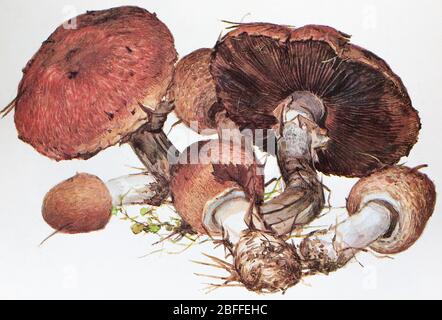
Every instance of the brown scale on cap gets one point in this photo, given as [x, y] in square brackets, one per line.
[412, 191]
[78, 205]
[193, 90]
[196, 181]
[368, 114]
[90, 87]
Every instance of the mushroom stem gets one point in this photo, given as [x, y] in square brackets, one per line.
[363, 228]
[298, 137]
[388, 211]
[152, 146]
[228, 213]
[154, 150]
[136, 189]
[333, 249]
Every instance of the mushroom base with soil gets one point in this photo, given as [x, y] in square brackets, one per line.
[262, 262]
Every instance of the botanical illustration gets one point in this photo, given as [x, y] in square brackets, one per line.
[305, 95]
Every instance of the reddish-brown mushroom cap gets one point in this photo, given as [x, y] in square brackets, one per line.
[89, 87]
[369, 116]
[80, 204]
[196, 180]
[409, 193]
[193, 90]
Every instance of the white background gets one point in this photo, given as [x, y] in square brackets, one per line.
[407, 34]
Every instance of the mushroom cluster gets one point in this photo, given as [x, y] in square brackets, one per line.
[305, 95]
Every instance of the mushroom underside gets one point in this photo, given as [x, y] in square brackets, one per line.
[369, 119]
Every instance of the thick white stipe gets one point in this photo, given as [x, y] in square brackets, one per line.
[363, 228]
[227, 213]
[132, 189]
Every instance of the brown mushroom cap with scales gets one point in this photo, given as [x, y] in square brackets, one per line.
[368, 113]
[89, 87]
[197, 181]
[193, 90]
[409, 194]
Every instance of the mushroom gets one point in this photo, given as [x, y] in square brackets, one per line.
[193, 92]
[388, 212]
[97, 85]
[216, 187]
[84, 203]
[291, 79]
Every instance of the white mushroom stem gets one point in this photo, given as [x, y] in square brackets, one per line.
[363, 228]
[227, 214]
[135, 189]
[340, 244]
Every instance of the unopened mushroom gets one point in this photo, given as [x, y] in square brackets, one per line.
[271, 76]
[216, 188]
[193, 92]
[98, 84]
[84, 203]
[80, 204]
[388, 212]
